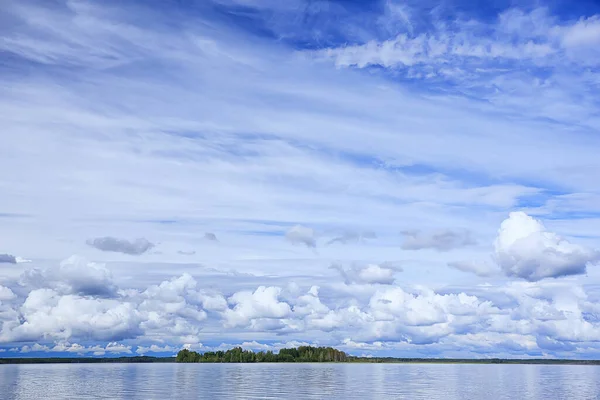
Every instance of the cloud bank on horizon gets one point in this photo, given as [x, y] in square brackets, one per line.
[386, 177]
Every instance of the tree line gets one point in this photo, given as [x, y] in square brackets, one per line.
[329, 354]
[239, 355]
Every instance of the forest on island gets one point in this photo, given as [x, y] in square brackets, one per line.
[239, 355]
[329, 354]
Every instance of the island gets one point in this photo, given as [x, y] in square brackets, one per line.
[309, 354]
[239, 355]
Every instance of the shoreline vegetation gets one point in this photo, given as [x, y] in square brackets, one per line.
[309, 354]
[302, 354]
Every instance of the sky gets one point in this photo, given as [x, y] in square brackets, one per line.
[398, 178]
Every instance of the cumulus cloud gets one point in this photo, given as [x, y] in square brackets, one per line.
[46, 314]
[351, 317]
[424, 317]
[301, 235]
[173, 307]
[71, 302]
[186, 253]
[441, 241]
[75, 275]
[7, 258]
[112, 348]
[525, 249]
[212, 301]
[210, 236]
[479, 268]
[6, 294]
[141, 350]
[34, 347]
[249, 306]
[112, 244]
[368, 274]
[395, 315]
[548, 316]
[310, 304]
[66, 347]
[424, 309]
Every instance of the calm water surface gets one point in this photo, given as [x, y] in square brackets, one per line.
[298, 381]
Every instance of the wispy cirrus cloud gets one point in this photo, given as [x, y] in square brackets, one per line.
[445, 240]
[486, 59]
[352, 237]
[479, 268]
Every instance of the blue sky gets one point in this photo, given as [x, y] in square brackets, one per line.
[385, 177]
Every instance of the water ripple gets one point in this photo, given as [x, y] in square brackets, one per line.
[298, 381]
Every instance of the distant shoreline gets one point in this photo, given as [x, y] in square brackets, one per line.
[86, 360]
[354, 360]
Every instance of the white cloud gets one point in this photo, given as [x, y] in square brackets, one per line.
[526, 250]
[248, 306]
[584, 33]
[368, 274]
[445, 240]
[74, 275]
[479, 268]
[549, 316]
[108, 243]
[49, 315]
[352, 237]
[64, 307]
[111, 348]
[310, 304]
[534, 36]
[173, 308]
[213, 301]
[479, 58]
[424, 309]
[6, 294]
[350, 317]
[301, 235]
[155, 349]
[34, 347]
[66, 347]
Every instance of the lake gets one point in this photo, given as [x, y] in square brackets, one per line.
[298, 381]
